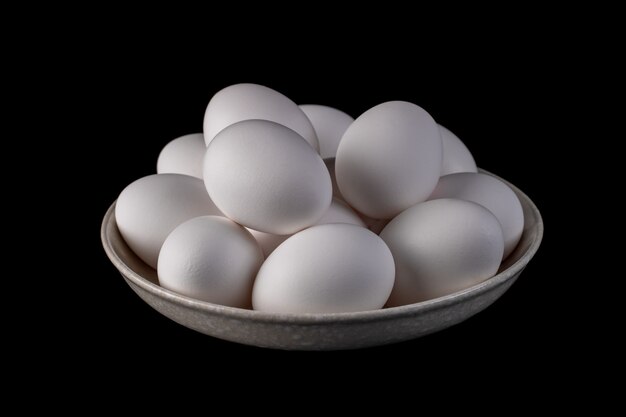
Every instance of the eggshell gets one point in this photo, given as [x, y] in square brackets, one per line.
[151, 207]
[338, 212]
[329, 124]
[268, 241]
[375, 225]
[330, 165]
[456, 156]
[183, 155]
[331, 268]
[265, 176]
[440, 247]
[491, 193]
[252, 101]
[389, 159]
[212, 259]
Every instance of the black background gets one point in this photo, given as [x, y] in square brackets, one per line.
[501, 108]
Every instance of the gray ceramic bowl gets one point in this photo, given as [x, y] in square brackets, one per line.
[322, 331]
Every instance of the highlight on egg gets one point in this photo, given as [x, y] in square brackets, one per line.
[440, 247]
[330, 124]
[304, 210]
[491, 193]
[240, 102]
[265, 176]
[212, 259]
[151, 207]
[331, 268]
[183, 155]
[389, 159]
[338, 212]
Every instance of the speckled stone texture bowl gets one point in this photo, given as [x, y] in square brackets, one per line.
[322, 331]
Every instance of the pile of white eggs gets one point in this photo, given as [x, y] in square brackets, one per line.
[302, 209]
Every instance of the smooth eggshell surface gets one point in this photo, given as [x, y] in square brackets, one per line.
[389, 159]
[491, 193]
[338, 212]
[252, 101]
[268, 241]
[375, 225]
[440, 247]
[212, 259]
[331, 268]
[456, 156]
[330, 124]
[265, 176]
[151, 207]
[330, 165]
[183, 155]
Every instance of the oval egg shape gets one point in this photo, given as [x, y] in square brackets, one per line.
[151, 207]
[265, 176]
[332, 268]
[440, 247]
[491, 193]
[183, 155]
[330, 124]
[252, 101]
[210, 258]
[389, 159]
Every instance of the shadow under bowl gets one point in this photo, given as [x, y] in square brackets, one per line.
[323, 331]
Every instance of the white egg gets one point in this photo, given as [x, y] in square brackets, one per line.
[330, 124]
[456, 156]
[268, 241]
[252, 101]
[265, 176]
[331, 268]
[375, 225]
[389, 159]
[491, 193]
[151, 207]
[210, 258]
[183, 155]
[330, 165]
[338, 212]
[440, 247]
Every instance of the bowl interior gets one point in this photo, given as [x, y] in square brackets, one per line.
[139, 273]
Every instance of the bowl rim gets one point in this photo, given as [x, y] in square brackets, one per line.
[317, 318]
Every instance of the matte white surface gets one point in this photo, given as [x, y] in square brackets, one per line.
[330, 165]
[322, 331]
[151, 207]
[252, 101]
[268, 241]
[265, 176]
[440, 247]
[326, 269]
[456, 156]
[491, 193]
[389, 159]
[375, 225]
[329, 124]
[183, 155]
[212, 259]
[338, 212]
